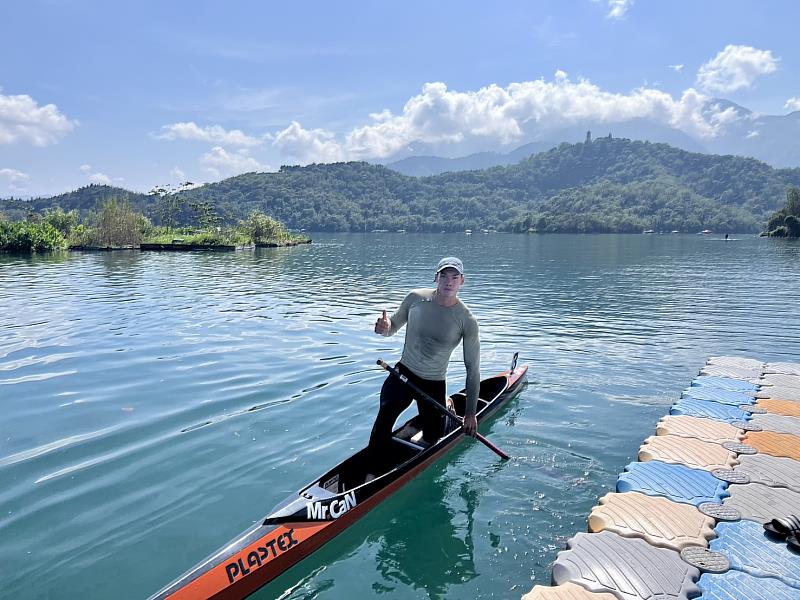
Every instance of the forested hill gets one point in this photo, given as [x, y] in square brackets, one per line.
[606, 185]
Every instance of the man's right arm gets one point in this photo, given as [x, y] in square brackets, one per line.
[397, 320]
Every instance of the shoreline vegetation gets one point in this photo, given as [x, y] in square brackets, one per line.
[116, 226]
[603, 185]
[785, 222]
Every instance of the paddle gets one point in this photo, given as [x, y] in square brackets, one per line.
[440, 408]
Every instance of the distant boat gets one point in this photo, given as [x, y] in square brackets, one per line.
[468, 231]
[674, 231]
[706, 232]
[401, 231]
[379, 230]
[648, 231]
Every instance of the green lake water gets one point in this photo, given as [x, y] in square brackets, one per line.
[155, 405]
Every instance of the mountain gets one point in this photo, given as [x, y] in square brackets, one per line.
[83, 200]
[607, 185]
[419, 166]
[774, 139]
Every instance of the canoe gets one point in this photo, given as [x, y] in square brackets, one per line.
[325, 507]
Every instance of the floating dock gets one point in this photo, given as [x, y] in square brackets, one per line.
[686, 520]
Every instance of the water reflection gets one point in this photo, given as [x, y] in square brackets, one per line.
[432, 548]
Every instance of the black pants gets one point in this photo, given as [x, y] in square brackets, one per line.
[396, 396]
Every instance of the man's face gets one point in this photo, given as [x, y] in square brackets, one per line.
[448, 282]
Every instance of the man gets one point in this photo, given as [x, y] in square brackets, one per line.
[436, 321]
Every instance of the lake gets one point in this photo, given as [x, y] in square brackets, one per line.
[155, 405]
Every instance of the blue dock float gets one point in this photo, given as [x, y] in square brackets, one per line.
[686, 521]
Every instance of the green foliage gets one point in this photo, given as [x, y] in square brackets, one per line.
[786, 221]
[26, 236]
[263, 229]
[117, 224]
[229, 236]
[65, 222]
[608, 185]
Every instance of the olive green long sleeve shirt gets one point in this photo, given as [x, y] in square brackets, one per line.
[432, 333]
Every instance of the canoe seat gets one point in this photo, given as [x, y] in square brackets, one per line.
[411, 444]
[317, 492]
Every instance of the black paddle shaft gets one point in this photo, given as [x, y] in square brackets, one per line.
[443, 409]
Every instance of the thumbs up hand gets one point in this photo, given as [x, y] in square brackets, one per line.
[383, 324]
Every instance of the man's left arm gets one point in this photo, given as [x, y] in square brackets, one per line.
[472, 362]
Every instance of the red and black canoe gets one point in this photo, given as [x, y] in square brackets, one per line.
[324, 508]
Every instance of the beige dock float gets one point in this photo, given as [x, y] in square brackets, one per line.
[707, 430]
[787, 408]
[774, 444]
[567, 591]
[658, 521]
[686, 451]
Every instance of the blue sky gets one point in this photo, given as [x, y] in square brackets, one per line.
[150, 93]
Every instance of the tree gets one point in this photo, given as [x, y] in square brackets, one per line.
[118, 224]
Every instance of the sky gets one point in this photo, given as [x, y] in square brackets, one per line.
[142, 94]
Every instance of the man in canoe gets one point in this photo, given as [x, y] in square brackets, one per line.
[436, 321]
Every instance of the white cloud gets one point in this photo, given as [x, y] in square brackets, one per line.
[23, 120]
[504, 115]
[617, 9]
[734, 68]
[676, 68]
[221, 163]
[752, 134]
[309, 145]
[213, 133]
[100, 178]
[13, 176]
[176, 174]
[792, 104]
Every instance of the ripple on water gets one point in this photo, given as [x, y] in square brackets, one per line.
[156, 405]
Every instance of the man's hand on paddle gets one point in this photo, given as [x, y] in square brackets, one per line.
[470, 425]
[383, 324]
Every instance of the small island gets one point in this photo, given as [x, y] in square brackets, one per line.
[117, 226]
[786, 221]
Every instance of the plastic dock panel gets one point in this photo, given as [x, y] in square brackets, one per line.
[736, 585]
[786, 368]
[629, 568]
[781, 380]
[778, 423]
[678, 483]
[761, 503]
[739, 362]
[787, 408]
[774, 444]
[658, 521]
[751, 375]
[724, 383]
[568, 591]
[721, 396]
[686, 451]
[708, 430]
[749, 550]
[708, 410]
[781, 393]
[771, 470]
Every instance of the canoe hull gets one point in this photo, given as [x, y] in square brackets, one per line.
[263, 552]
